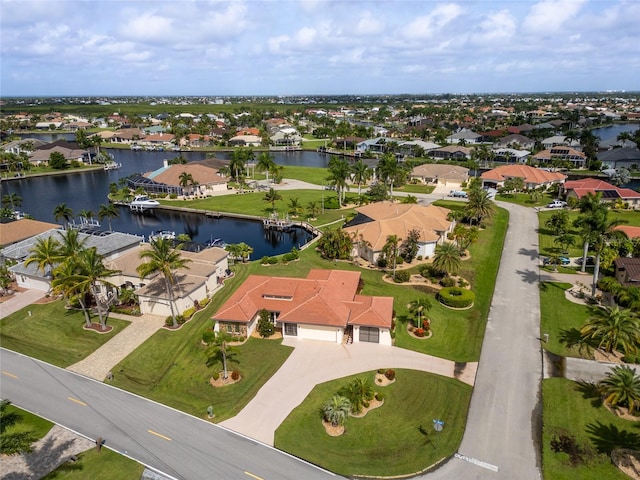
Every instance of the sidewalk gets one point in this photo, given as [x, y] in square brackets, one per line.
[315, 362]
[99, 363]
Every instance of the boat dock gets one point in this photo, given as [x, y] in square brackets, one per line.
[273, 222]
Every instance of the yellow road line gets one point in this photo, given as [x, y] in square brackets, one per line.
[9, 374]
[158, 435]
[75, 400]
[253, 476]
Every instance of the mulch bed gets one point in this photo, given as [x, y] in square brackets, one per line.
[628, 461]
[222, 382]
[96, 327]
[331, 430]
[382, 380]
[373, 403]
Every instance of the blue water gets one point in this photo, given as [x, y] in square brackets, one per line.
[612, 131]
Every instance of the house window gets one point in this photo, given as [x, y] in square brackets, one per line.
[369, 335]
[291, 329]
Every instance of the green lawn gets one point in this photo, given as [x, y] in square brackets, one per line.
[38, 425]
[562, 320]
[410, 188]
[102, 465]
[53, 334]
[546, 238]
[395, 439]
[524, 199]
[575, 409]
[171, 367]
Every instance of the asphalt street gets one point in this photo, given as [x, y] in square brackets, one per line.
[162, 438]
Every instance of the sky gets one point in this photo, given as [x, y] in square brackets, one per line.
[316, 47]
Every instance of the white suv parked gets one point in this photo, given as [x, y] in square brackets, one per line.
[557, 204]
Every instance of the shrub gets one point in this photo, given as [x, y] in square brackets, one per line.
[456, 297]
[180, 319]
[264, 260]
[235, 375]
[462, 283]
[381, 371]
[366, 404]
[173, 196]
[215, 376]
[419, 257]
[273, 260]
[379, 396]
[382, 261]
[266, 328]
[390, 374]
[399, 260]
[208, 336]
[448, 282]
[419, 332]
[402, 276]
[204, 302]
[188, 313]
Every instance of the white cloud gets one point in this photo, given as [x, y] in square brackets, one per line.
[551, 15]
[305, 36]
[427, 25]
[496, 27]
[368, 25]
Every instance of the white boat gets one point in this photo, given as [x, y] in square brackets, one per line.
[164, 234]
[142, 202]
[112, 166]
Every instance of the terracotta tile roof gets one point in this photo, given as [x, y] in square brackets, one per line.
[13, 232]
[325, 297]
[529, 174]
[398, 219]
[201, 174]
[631, 232]
[593, 185]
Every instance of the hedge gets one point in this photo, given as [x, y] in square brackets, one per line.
[456, 297]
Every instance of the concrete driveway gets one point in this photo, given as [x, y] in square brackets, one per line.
[20, 300]
[314, 362]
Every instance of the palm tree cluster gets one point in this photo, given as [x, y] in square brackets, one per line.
[621, 387]
[359, 392]
[613, 328]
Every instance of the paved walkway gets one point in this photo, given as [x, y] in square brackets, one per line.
[48, 453]
[314, 362]
[99, 363]
[20, 300]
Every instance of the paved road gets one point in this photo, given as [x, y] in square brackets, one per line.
[160, 437]
[503, 428]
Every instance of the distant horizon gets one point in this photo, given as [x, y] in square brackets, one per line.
[294, 48]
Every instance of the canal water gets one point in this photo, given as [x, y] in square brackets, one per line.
[88, 190]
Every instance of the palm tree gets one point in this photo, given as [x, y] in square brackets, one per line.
[11, 199]
[64, 282]
[185, 179]
[480, 205]
[63, 211]
[410, 199]
[604, 231]
[272, 196]
[71, 244]
[336, 410]
[565, 241]
[162, 258]
[465, 236]
[265, 163]
[108, 211]
[358, 392]
[418, 308]
[313, 208]
[338, 174]
[613, 327]
[85, 215]
[391, 250]
[295, 208]
[220, 351]
[18, 441]
[622, 387]
[447, 258]
[361, 174]
[45, 253]
[244, 251]
[90, 272]
[388, 170]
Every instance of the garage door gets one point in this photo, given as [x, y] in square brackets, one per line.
[369, 334]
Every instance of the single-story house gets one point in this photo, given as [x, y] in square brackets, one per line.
[283, 138]
[374, 145]
[245, 141]
[206, 180]
[376, 221]
[440, 173]
[127, 135]
[451, 151]
[561, 153]
[25, 145]
[511, 155]
[42, 155]
[620, 157]
[533, 177]
[627, 271]
[560, 141]
[515, 139]
[201, 279]
[610, 193]
[323, 306]
[14, 232]
[466, 136]
[411, 146]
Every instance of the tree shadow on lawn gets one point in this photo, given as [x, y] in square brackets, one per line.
[590, 391]
[607, 438]
[572, 338]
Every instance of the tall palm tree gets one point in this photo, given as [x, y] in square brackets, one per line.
[63, 211]
[447, 258]
[418, 308]
[71, 244]
[622, 387]
[338, 174]
[265, 163]
[336, 410]
[361, 174]
[65, 282]
[391, 248]
[220, 350]
[388, 170]
[86, 215]
[313, 208]
[108, 211]
[12, 200]
[272, 196]
[613, 327]
[295, 207]
[45, 253]
[184, 180]
[90, 272]
[162, 258]
[604, 232]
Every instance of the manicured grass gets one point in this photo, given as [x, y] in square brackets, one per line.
[394, 439]
[38, 425]
[409, 188]
[53, 334]
[575, 409]
[562, 320]
[171, 367]
[524, 199]
[547, 245]
[102, 465]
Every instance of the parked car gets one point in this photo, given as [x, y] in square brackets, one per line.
[458, 194]
[591, 261]
[557, 204]
[561, 260]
